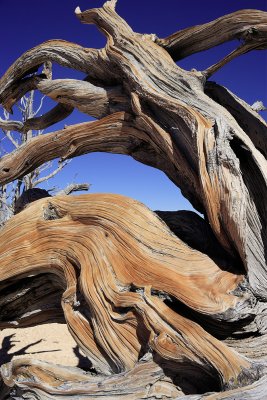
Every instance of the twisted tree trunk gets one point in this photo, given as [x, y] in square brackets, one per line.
[162, 309]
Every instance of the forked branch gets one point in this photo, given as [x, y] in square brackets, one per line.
[248, 26]
[64, 53]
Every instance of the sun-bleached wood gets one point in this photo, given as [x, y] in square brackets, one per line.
[159, 312]
[249, 27]
[125, 304]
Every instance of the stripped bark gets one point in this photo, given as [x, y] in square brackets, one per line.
[158, 313]
[247, 26]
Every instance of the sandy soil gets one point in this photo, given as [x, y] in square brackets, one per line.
[47, 342]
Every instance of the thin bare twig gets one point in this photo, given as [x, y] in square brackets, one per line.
[49, 176]
[11, 139]
[74, 187]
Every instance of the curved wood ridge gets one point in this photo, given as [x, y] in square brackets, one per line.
[116, 262]
[159, 312]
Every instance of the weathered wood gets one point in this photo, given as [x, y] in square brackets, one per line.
[204, 140]
[249, 120]
[146, 380]
[249, 26]
[127, 302]
[65, 53]
[163, 315]
[93, 100]
[56, 114]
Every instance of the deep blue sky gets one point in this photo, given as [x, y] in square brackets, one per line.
[25, 24]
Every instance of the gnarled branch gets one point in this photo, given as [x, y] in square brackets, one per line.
[249, 120]
[90, 99]
[64, 53]
[8, 125]
[125, 300]
[51, 117]
[249, 26]
[129, 287]
[73, 187]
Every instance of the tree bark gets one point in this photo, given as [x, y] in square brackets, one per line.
[162, 309]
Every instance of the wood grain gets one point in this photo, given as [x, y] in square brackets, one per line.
[159, 312]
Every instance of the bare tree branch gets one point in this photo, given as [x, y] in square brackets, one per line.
[73, 187]
[56, 114]
[242, 49]
[116, 133]
[11, 125]
[249, 26]
[90, 99]
[11, 139]
[31, 179]
[18, 90]
[64, 53]
[247, 118]
[49, 176]
[40, 106]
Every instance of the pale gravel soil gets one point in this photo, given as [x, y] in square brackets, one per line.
[47, 342]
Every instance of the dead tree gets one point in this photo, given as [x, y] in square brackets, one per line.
[161, 312]
[16, 135]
